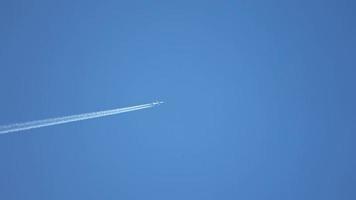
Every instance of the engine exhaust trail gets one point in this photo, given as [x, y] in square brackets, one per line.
[72, 118]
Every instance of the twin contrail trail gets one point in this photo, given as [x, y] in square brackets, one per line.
[72, 118]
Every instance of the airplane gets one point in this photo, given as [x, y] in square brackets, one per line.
[156, 103]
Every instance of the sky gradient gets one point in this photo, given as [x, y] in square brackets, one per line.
[260, 99]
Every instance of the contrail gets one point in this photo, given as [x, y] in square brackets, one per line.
[72, 118]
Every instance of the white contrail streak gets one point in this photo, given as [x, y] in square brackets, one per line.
[72, 118]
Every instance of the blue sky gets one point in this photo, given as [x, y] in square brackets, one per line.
[260, 100]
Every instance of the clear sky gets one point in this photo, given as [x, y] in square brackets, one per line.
[260, 99]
